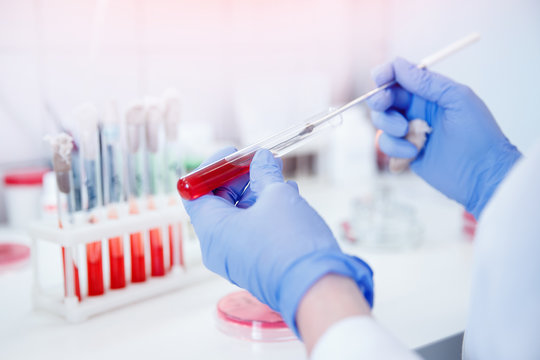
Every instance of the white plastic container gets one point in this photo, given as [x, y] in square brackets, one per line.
[23, 196]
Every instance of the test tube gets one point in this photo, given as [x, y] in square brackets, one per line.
[88, 119]
[62, 146]
[113, 189]
[135, 165]
[173, 169]
[214, 175]
[210, 177]
[154, 141]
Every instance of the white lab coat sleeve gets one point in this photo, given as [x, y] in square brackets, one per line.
[504, 315]
[359, 337]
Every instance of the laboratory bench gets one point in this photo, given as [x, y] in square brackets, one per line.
[421, 295]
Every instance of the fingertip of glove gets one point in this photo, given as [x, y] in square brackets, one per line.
[400, 63]
[391, 122]
[294, 185]
[404, 70]
[264, 157]
[383, 73]
[397, 147]
[264, 170]
[381, 100]
[265, 163]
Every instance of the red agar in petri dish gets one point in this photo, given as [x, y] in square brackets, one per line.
[12, 255]
[201, 182]
[241, 315]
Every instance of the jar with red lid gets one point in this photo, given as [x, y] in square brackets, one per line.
[23, 189]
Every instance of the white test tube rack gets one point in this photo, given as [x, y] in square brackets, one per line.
[68, 305]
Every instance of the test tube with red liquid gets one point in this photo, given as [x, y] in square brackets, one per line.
[156, 248]
[138, 267]
[88, 121]
[156, 253]
[135, 117]
[63, 147]
[154, 169]
[214, 175]
[113, 188]
[116, 263]
[173, 169]
[175, 237]
[116, 257]
[94, 266]
[74, 274]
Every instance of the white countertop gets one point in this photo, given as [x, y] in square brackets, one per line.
[421, 296]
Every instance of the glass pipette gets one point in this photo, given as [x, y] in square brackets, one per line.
[210, 177]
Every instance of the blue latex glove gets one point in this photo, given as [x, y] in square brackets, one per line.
[271, 243]
[466, 155]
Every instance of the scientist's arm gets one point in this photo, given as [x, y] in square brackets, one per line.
[335, 323]
[504, 314]
[268, 240]
[466, 155]
[335, 298]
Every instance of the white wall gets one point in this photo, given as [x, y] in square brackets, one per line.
[65, 52]
[503, 68]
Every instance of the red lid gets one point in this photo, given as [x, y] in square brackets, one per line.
[25, 177]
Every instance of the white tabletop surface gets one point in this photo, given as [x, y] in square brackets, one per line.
[421, 296]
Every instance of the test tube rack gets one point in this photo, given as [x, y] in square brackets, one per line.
[73, 239]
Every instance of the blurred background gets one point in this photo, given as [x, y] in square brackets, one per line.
[246, 69]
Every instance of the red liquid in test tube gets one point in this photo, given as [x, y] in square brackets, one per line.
[138, 271]
[116, 262]
[199, 183]
[156, 252]
[116, 258]
[94, 264]
[156, 247]
[75, 275]
[171, 246]
[75, 272]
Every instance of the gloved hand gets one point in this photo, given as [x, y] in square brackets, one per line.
[466, 155]
[271, 243]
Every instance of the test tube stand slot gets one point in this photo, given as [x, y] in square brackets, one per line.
[73, 310]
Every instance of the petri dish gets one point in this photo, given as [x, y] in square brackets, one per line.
[241, 315]
[12, 256]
